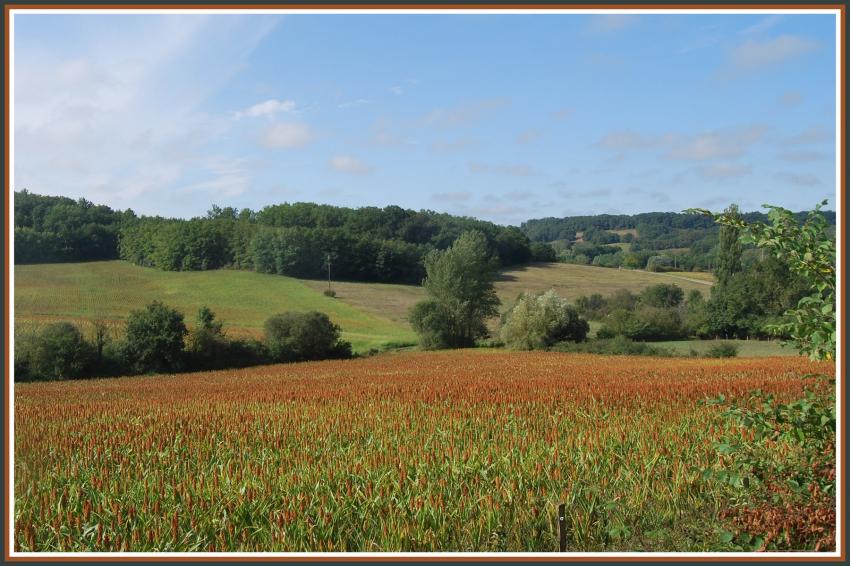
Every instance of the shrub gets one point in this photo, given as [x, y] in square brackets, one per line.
[60, 352]
[722, 350]
[662, 295]
[646, 323]
[207, 344]
[155, 339]
[435, 325]
[296, 336]
[617, 346]
[538, 321]
[329, 293]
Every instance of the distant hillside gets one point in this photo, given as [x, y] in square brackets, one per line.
[657, 241]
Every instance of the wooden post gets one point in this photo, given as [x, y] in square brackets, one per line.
[562, 527]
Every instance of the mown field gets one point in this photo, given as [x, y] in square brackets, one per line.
[569, 281]
[452, 451]
[370, 314]
[109, 290]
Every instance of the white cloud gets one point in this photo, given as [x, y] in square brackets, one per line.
[803, 156]
[718, 144]
[754, 54]
[122, 121]
[287, 135]
[349, 164]
[268, 108]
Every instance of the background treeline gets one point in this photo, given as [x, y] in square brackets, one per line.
[52, 229]
[364, 244]
[656, 241]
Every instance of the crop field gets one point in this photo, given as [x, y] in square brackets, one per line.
[243, 300]
[454, 451]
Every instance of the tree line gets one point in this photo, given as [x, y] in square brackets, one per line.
[300, 239]
[656, 241]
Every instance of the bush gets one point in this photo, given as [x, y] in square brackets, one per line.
[207, 344]
[435, 325]
[646, 323]
[329, 293]
[617, 346]
[60, 353]
[296, 336]
[722, 350]
[538, 321]
[155, 339]
[662, 295]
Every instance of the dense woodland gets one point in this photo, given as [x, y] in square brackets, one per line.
[365, 244]
[657, 241]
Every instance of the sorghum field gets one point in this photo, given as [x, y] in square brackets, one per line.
[453, 451]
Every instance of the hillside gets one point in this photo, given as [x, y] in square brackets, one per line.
[370, 314]
[242, 299]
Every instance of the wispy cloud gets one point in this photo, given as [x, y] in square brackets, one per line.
[723, 171]
[763, 25]
[352, 103]
[397, 90]
[122, 118]
[798, 179]
[269, 108]
[465, 114]
[458, 196]
[790, 99]
[287, 135]
[351, 165]
[528, 136]
[513, 170]
[609, 23]
[803, 156]
[812, 135]
[718, 144]
[753, 55]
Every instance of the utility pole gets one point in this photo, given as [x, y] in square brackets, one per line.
[329, 271]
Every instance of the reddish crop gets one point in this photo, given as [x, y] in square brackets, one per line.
[454, 451]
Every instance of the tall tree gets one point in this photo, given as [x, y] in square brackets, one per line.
[730, 248]
[459, 283]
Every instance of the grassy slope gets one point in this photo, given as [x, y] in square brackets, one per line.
[242, 299]
[746, 348]
[569, 281]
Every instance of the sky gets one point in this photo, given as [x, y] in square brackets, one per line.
[501, 117]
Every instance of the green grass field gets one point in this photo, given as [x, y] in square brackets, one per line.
[242, 299]
[746, 348]
[370, 314]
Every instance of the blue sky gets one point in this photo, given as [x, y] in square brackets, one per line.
[502, 117]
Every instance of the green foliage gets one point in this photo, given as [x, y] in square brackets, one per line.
[155, 339]
[777, 465]
[543, 252]
[809, 251]
[644, 323]
[662, 295]
[459, 283]
[722, 350]
[53, 229]
[730, 248]
[537, 321]
[60, 352]
[616, 346]
[297, 336]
